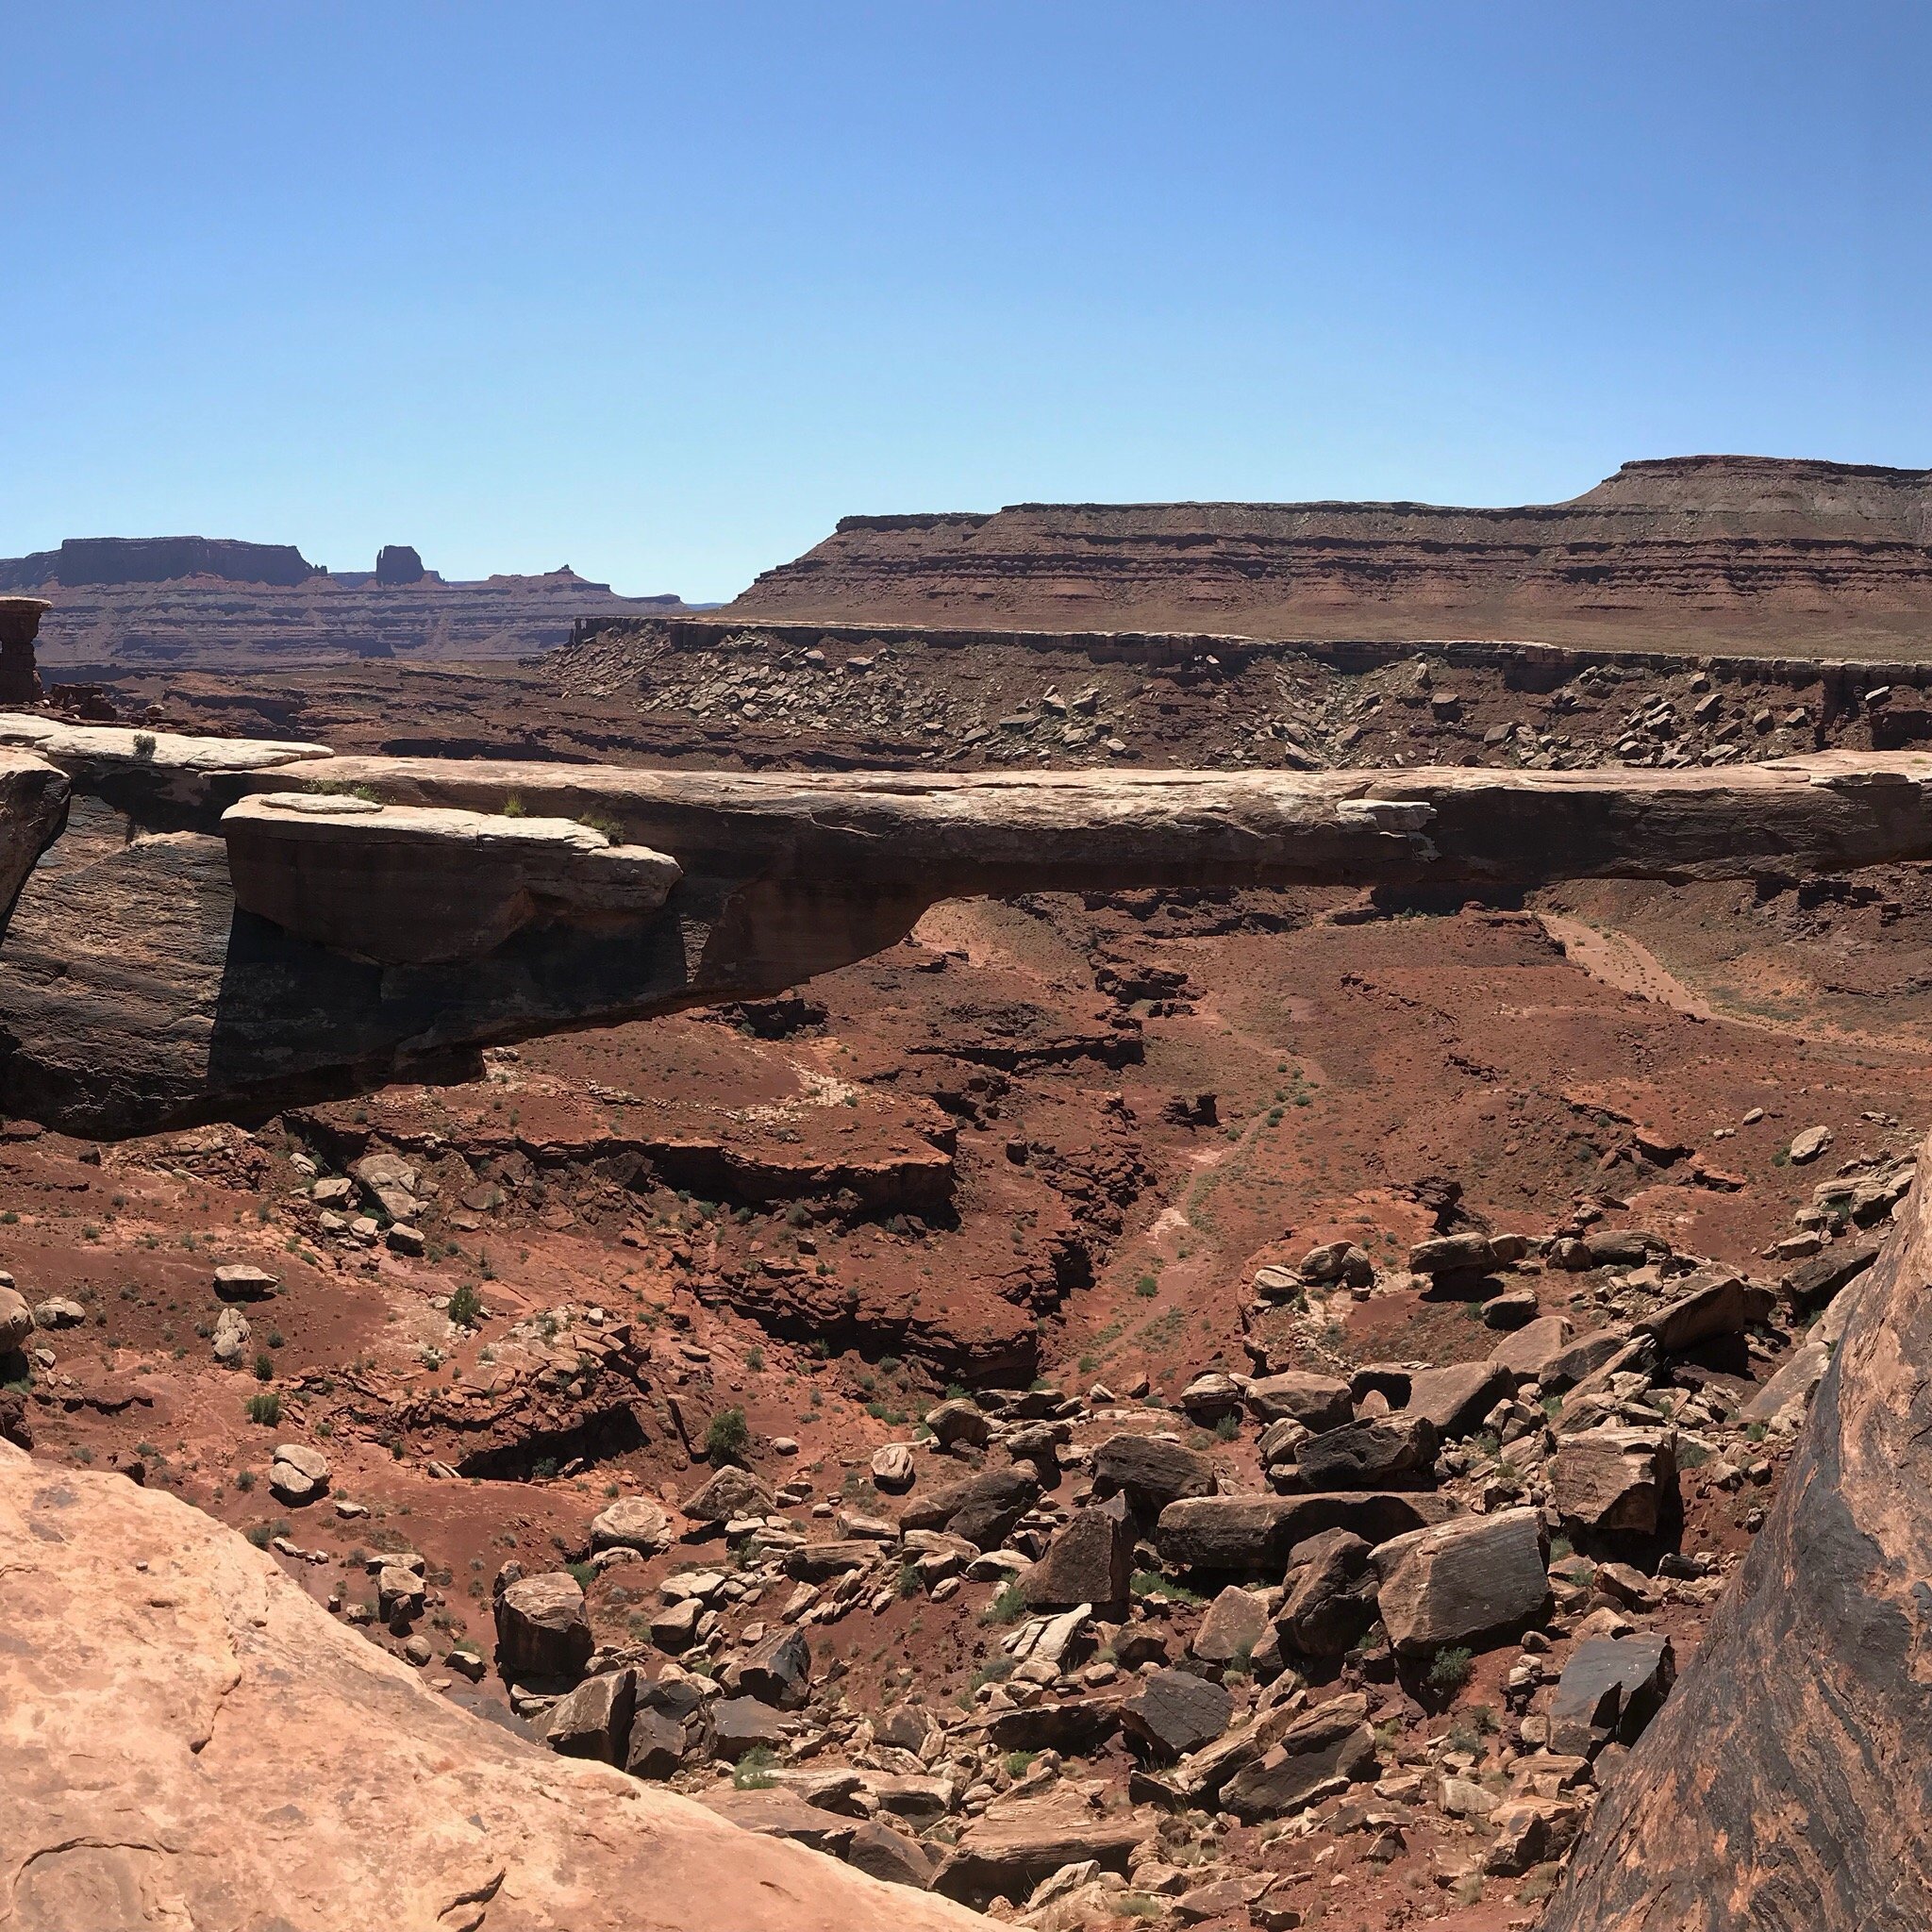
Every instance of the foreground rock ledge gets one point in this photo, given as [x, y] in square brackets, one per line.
[1787, 1783]
[186, 1740]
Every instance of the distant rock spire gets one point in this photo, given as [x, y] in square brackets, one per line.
[399, 563]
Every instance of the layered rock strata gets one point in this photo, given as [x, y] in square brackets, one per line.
[1754, 550]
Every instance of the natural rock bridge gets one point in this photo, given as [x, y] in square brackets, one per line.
[210, 925]
[217, 925]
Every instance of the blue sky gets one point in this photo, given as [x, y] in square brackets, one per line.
[661, 291]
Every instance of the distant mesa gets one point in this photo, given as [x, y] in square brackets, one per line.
[1754, 552]
[212, 603]
[83, 561]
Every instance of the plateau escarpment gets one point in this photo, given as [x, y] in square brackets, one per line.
[1758, 553]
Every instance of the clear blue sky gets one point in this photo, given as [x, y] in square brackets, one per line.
[661, 291]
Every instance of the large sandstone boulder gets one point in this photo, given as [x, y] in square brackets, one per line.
[1317, 1402]
[1089, 1561]
[543, 1630]
[1151, 1471]
[1617, 1479]
[1256, 1533]
[1472, 1577]
[1321, 1752]
[1457, 1398]
[196, 1732]
[1377, 1453]
[16, 1321]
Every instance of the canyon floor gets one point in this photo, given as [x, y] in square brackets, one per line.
[1049, 1174]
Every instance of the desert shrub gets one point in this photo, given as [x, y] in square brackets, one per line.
[1450, 1668]
[727, 1437]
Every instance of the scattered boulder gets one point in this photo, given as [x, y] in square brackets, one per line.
[777, 1671]
[16, 1321]
[1208, 1398]
[1514, 1308]
[232, 1335]
[1256, 1533]
[774, 1812]
[892, 1467]
[1340, 1261]
[1616, 1479]
[1368, 1455]
[1818, 1281]
[1793, 1387]
[1005, 1854]
[1236, 1622]
[297, 1474]
[632, 1523]
[744, 1724]
[1609, 1691]
[959, 1421]
[657, 1745]
[1321, 1752]
[1530, 1831]
[1531, 1349]
[240, 1281]
[820, 1563]
[1151, 1472]
[1582, 1357]
[729, 1494]
[594, 1721]
[1714, 1304]
[1457, 1397]
[543, 1630]
[1175, 1712]
[984, 1508]
[1464, 1579]
[880, 1852]
[1317, 1402]
[1453, 1254]
[1089, 1561]
[1331, 1594]
[1808, 1144]
[58, 1312]
[1075, 1726]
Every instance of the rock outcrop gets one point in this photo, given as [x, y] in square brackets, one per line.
[1786, 1780]
[187, 1739]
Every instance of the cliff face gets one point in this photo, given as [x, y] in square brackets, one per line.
[1746, 549]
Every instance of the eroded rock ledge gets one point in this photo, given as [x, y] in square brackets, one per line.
[186, 1737]
[189, 947]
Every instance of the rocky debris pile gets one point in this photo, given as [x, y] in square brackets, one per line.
[1176, 1661]
[1207, 701]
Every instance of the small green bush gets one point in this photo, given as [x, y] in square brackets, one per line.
[1009, 1606]
[265, 1409]
[754, 1770]
[466, 1307]
[727, 1437]
[1020, 1762]
[1449, 1669]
